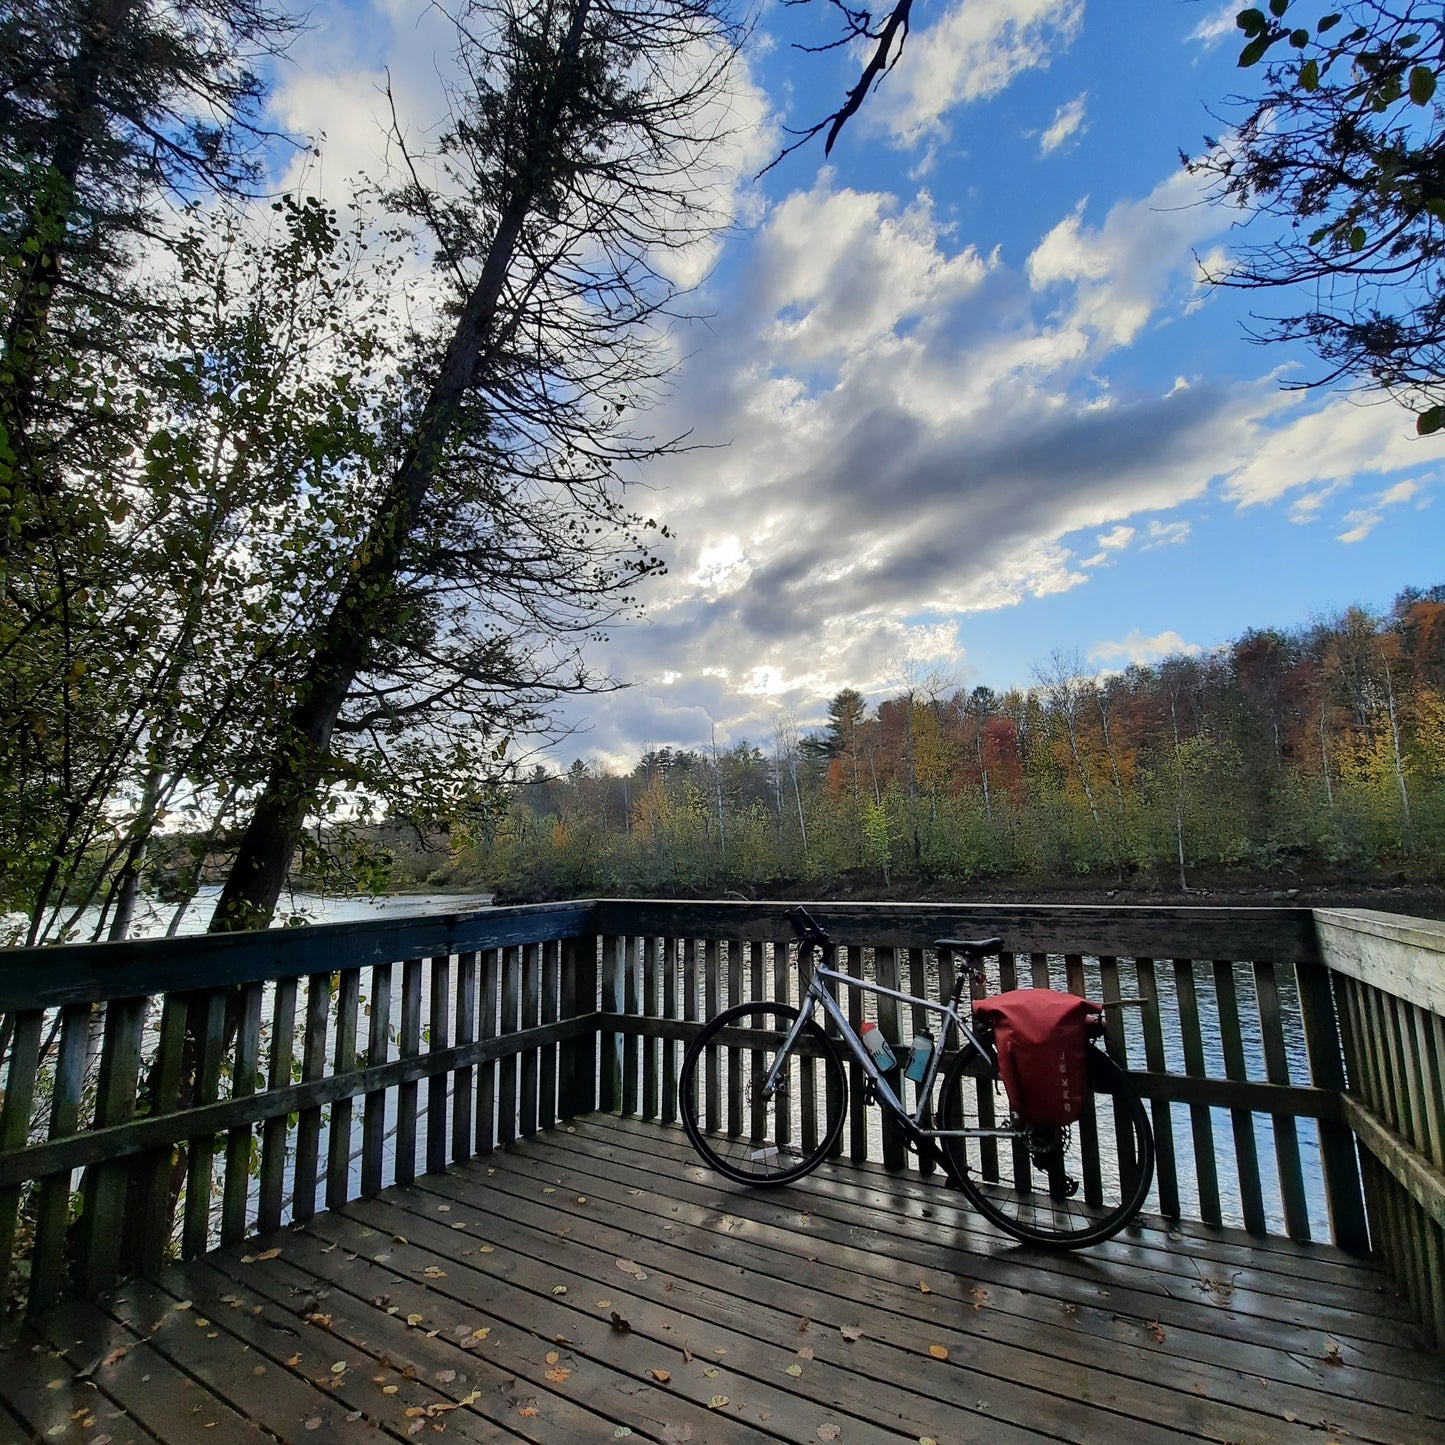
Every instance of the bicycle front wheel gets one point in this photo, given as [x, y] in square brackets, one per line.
[1061, 1188]
[738, 1128]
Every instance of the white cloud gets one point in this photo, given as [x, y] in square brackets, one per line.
[1214, 28]
[974, 51]
[1117, 275]
[1068, 122]
[1322, 449]
[1363, 520]
[1136, 647]
[1116, 540]
[1167, 534]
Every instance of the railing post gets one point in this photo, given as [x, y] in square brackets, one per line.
[577, 1082]
[609, 1078]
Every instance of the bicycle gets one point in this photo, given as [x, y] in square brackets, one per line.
[1063, 1188]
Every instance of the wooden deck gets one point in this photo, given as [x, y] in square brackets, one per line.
[595, 1281]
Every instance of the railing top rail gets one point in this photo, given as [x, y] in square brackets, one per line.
[1282, 935]
[90, 972]
[1404, 956]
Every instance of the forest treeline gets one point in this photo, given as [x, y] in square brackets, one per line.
[1295, 750]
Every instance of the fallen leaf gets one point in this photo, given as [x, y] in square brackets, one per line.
[527, 1411]
[314, 1423]
[461, 1225]
[622, 1432]
[980, 1296]
[938, 1352]
[604, 1304]
[829, 1431]
[717, 1402]
[184, 1304]
[582, 1199]
[794, 1370]
[399, 1239]
[445, 1377]
[559, 1289]
[112, 1358]
[390, 1389]
[413, 1320]
[851, 1333]
[553, 1357]
[339, 1367]
[432, 1272]
[661, 1376]
[444, 1209]
[687, 1355]
[482, 1333]
[1157, 1330]
[557, 1374]
[548, 1189]
[806, 1353]
[923, 1288]
[486, 1249]
[268, 1254]
[711, 1373]
[294, 1361]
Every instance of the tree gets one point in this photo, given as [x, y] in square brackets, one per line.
[105, 105]
[566, 170]
[1346, 145]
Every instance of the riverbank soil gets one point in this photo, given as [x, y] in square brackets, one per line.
[1389, 891]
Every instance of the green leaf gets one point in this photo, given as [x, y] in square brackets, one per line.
[1253, 51]
[1278, 7]
[1422, 84]
[1252, 22]
[1299, 38]
[1429, 422]
[1329, 22]
[1309, 75]
[1357, 239]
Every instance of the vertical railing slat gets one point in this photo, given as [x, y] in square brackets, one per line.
[373, 1108]
[857, 1114]
[712, 985]
[408, 1047]
[271, 1186]
[669, 1046]
[47, 1259]
[438, 1084]
[885, 962]
[551, 1012]
[463, 1099]
[1088, 1125]
[1286, 1135]
[235, 1192]
[651, 1058]
[308, 1124]
[1200, 1122]
[531, 1013]
[734, 1056]
[343, 1061]
[15, 1132]
[208, 1028]
[104, 1221]
[507, 1066]
[488, 978]
[1155, 1060]
[1246, 1153]
[609, 1083]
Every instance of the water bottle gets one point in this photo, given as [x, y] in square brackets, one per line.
[877, 1047]
[918, 1059]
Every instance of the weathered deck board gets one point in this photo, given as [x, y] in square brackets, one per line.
[490, 1301]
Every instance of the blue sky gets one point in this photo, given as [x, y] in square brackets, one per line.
[969, 401]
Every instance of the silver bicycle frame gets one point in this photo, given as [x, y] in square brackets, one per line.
[819, 994]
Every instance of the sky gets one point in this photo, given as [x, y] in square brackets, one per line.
[962, 397]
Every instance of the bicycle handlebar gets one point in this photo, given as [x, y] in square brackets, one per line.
[810, 932]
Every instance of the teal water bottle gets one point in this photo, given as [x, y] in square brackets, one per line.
[918, 1058]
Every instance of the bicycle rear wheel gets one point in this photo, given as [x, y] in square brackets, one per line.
[1061, 1188]
[739, 1132]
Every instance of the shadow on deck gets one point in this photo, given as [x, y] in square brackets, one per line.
[592, 1283]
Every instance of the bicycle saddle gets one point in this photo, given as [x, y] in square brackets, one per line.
[970, 947]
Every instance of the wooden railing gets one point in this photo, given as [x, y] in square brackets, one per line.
[164, 1096]
[351, 1054]
[1389, 975]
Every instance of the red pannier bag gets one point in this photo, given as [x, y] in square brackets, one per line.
[1042, 1038]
